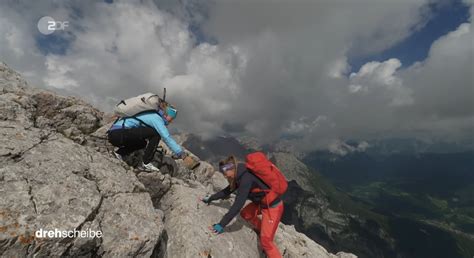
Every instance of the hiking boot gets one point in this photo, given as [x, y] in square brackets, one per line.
[118, 156]
[148, 167]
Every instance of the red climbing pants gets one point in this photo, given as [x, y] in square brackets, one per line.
[267, 226]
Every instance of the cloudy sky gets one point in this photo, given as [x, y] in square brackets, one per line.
[311, 71]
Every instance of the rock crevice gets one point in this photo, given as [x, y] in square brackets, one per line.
[30, 190]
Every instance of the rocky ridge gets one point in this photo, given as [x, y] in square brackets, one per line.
[56, 172]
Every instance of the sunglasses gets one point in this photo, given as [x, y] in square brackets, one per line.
[171, 111]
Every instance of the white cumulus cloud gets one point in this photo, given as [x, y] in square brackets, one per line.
[275, 68]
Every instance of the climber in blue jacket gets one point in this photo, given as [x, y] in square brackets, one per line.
[145, 130]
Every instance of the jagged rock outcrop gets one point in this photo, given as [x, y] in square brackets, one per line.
[293, 169]
[48, 181]
[56, 173]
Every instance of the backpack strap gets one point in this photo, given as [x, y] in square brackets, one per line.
[136, 118]
[115, 121]
[141, 121]
[259, 179]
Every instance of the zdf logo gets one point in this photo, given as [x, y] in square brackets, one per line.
[47, 25]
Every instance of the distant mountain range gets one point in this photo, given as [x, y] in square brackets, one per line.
[390, 146]
[426, 188]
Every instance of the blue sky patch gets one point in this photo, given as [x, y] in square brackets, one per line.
[200, 36]
[446, 17]
[56, 43]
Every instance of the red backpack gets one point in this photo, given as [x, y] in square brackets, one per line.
[264, 169]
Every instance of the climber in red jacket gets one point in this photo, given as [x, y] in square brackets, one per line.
[265, 202]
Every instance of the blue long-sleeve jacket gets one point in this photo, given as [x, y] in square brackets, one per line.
[156, 122]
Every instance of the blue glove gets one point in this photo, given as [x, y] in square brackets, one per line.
[218, 228]
[207, 200]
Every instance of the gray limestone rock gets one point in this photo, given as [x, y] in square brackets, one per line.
[130, 225]
[156, 184]
[49, 182]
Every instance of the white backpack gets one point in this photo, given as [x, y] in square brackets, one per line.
[145, 102]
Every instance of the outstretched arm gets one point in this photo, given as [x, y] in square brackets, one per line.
[239, 202]
[160, 127]
[221, 194]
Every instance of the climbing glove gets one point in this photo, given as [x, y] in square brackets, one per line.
[217, 228]
[207, 200]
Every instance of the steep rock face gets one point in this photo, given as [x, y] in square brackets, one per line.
[56, 172]
[293, 169]
[48, 181]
